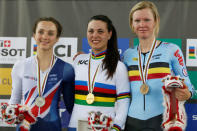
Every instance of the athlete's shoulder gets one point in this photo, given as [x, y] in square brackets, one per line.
[64, 63]
[169, 45]
[66, 68]
[129, 54]
[130, 51]
[81, 57]
[23, 61]
[19, 66]
[121, 66]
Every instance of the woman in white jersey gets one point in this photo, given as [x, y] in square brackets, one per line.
[101, 80]
[38, 81]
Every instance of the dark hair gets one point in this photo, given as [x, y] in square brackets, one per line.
[112, 55]
[50, 19]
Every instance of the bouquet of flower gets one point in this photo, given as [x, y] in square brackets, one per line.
[99, 121]
[17, 114]
[174, 116]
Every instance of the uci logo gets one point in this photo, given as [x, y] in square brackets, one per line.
[62, 50]
[5, 81]
[83, 62]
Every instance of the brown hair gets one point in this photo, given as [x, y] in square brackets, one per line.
[50, 19]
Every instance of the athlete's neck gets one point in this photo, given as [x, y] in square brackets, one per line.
[44, 58]
[146, 44]
[99, 55]
[98, 51]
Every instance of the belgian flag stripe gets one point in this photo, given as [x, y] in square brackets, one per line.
[150, 76]
[150, 71]
[152, 65]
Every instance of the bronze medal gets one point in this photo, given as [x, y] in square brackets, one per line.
[40, 101]
[144, 70]
[144, 89]
[90, 98]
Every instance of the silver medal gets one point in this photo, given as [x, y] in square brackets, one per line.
[40, 101]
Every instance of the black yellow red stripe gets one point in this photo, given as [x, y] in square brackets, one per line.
[156, 70]
[123, 95]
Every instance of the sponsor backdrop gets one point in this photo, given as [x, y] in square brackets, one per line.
[64, 49]
[12, 49]
[191, 55]
[5, 81]
[178, 23]
[123, 44]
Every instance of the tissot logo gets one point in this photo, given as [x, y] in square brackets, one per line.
[12, 49]
[12, 52]
[83, 62]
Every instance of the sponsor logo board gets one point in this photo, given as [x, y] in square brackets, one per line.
[65, 48]
[5, 81]
[12, 49]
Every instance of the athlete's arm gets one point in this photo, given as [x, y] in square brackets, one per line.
[68, 87]
[123, 95]
[179, 68]
[17, 74]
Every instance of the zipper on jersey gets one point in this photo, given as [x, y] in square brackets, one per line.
[143, 70]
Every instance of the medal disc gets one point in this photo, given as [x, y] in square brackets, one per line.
[90, 98]
[144, 89]
[40, 101]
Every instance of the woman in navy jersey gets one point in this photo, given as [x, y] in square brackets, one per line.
[101, 81]
[39, 81]
[148, 63]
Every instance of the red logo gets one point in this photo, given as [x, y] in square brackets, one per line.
[7, 43]
[180, 58]
[184, 72]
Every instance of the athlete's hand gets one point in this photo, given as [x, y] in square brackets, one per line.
[182, 94]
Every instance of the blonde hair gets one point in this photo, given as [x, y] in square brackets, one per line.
[143, 5]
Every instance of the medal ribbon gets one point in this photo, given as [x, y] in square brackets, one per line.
[91, 85]
[144, 72]
[41, 89]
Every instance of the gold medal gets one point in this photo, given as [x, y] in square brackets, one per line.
[90, 98]
[144, 89]
[40, 101]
